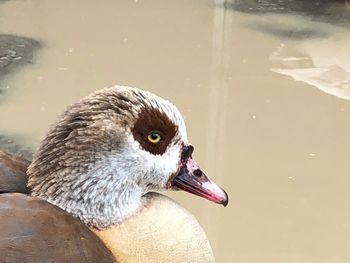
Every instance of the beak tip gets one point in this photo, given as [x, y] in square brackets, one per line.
[224, 202]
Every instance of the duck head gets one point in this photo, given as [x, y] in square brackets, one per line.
[110, 149]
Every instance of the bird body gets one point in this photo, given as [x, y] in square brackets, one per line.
[162, 231]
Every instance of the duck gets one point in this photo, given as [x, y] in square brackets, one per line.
[92, 192]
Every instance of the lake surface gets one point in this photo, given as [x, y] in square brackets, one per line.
[265, 96]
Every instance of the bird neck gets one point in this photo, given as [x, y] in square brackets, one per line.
[98, 194]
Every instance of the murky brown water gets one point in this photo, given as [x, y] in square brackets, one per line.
[265, 99]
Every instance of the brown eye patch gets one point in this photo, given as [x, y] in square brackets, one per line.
[150, 119]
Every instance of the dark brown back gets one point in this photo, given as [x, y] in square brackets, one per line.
[13, 177]
[35, 231]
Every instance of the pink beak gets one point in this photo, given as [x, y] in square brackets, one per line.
[191, 179]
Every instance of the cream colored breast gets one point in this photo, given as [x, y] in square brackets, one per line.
[162, 231]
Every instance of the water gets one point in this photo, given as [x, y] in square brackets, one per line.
[265, 97]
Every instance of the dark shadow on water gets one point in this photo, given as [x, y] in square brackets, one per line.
[15, 52]
[289, 33]
[330, 11]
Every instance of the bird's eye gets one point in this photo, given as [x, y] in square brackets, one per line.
[154, 137]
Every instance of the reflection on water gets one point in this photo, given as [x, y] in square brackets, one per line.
[279, 146]
[330, 74]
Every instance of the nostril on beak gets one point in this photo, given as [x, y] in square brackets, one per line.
[197, 173]
[187, 152]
